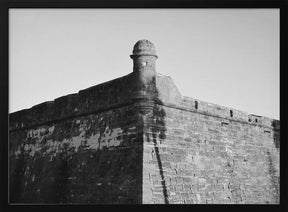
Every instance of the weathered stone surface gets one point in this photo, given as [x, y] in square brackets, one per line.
[234, 163]
[90, 159]
[136, 140]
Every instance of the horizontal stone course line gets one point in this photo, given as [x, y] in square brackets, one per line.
[73, 116]
[156, 102]
[210, 114]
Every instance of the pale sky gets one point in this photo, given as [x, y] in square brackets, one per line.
[228, 57]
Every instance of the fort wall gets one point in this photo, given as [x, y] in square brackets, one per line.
[77, 156]
[195, 158]
[136, 140]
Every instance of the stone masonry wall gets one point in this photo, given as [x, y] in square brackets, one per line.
[81, 148]
[194, 155]
[113, 94]
[90, 159]
[105, 144]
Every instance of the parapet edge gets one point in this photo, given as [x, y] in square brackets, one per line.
[169, 95]
[104, 96]
[118, 93]
[229, 114]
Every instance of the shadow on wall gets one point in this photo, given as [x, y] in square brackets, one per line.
[102, 176]
[276, 135]
[60, 184]
[24, 190]
[275, 180]
[158, 129]
[16, 176]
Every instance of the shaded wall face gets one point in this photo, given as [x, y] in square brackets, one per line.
[89, 159]
[194, 158]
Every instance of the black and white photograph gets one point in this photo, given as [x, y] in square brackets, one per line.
[144, 106]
